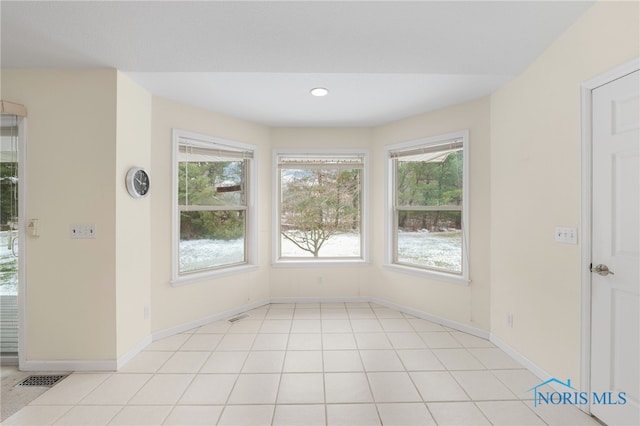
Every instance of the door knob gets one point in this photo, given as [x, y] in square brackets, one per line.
[602, 270]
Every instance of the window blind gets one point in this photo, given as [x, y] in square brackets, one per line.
[428, 153]
[320, 162]
[194, 151]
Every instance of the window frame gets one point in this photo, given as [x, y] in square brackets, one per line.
[391, 216]
[250, 233]
[363, 259]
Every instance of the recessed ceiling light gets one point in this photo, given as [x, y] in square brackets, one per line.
[319, 91]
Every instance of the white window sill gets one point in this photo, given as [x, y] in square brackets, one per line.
[433, 275]
[318, 263]
[197, 277]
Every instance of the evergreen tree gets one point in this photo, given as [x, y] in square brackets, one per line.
[211, 183]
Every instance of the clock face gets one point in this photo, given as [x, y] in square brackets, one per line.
[141, 182]
[138, 182]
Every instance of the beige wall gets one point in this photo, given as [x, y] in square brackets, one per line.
[468, 305]
[535, 186]
[71, 135]
[133, 227]
[174, 306]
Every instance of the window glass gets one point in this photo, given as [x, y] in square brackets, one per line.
[320, 206]
[440, 248]
[212, 205]
[428, 206]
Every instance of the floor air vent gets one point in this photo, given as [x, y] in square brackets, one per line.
[238, 318]
[46, 381]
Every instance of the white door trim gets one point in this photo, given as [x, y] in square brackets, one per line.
[22, 241]
[586, 90]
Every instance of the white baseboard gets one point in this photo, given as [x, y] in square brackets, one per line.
[534, 369]
[69, 365]
[349, 299]
[133, 351]
[206, 320]
[526, 362]
[478, 332]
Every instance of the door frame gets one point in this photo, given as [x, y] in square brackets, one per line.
[22, 240]
[17, 360]
[586, 170]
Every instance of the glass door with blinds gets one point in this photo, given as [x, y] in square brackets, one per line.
[9, 235]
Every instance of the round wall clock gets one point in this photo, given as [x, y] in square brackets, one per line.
[138, 182]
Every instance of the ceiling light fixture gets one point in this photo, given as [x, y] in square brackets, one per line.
[319, 91]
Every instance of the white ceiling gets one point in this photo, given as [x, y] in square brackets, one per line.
[257, 60]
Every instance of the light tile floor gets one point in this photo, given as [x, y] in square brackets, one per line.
[307, 364]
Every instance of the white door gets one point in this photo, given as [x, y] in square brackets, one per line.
[615, 321]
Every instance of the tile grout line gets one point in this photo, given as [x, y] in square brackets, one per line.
[366, 373]
[324, 377]
[324, 372]
[411, 378]
[284, 360]
[235, 383]
[195, 376]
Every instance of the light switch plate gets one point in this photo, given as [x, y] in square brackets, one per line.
[566, 235]
[83, 231]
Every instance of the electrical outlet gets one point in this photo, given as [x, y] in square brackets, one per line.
[509, 319]
[566, 235]
[147, 312]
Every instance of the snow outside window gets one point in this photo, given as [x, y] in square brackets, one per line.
[320, 198]
[212, 194]
[428, 205]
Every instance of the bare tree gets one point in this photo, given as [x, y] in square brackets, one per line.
[319, 204]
